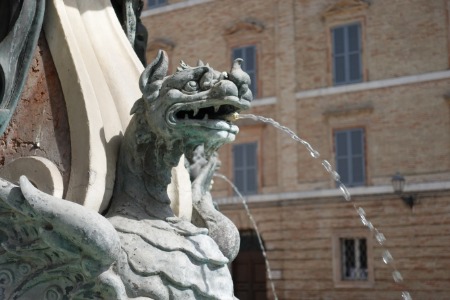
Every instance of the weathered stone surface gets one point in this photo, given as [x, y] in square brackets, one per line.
[144, 250]
[39, 125]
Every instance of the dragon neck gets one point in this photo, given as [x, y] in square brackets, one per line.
[144, 170]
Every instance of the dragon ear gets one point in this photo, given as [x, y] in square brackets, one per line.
[156, 70]
[138, 107]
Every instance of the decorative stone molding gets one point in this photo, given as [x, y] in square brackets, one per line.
[172, 7]
[99, 74]
[40, 171]
[247, 24]
[342, 111]
[373, 85]
[346, 7]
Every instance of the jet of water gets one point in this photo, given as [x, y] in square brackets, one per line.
[388, 259]
[258, 235]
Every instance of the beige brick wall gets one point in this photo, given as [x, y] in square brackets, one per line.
[400, 38]
[406, 130]
[298, 237]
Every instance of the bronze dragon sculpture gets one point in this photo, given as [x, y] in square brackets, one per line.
[55, 249]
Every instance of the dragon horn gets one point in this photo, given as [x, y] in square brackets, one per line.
[156, 70]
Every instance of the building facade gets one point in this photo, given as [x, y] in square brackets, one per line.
[367, 84]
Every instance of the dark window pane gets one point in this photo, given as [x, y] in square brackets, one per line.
[354, 67]
[341, 143]
[251, 181]
[239, 180]
[354, 259]
[339, 69]
[250, 58]
[353, 37]
[338, 40]
[342, 169]
[357, 141]
[238, 53]
[357, 170]
[363, 251]
[245, 163]
[238, 155]
[350, 157]
[347, 66]
[250, 154]
[155, 3]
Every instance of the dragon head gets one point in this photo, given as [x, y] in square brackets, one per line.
[193, 106]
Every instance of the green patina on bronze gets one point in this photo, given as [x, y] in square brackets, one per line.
[20, 25]
[54, 248]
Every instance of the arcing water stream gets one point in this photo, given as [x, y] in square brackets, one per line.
[252, 220]
[388, 259]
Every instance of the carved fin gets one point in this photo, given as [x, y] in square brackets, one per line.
[156, 70]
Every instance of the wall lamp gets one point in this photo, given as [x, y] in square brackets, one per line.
[398, 183]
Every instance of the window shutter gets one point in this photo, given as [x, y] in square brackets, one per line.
[245, 168]
[350, 156]
[342, 156]
[252, 172]
[346, 43]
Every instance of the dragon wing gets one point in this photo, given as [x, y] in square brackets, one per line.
[54, 249]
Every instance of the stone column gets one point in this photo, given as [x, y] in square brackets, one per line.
[285, 80]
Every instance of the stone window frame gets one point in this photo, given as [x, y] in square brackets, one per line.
[254, 84]
[339, 282]
[257, 46]
[244, 33]
[341, 19]
[246, 168]
[249, 133]
[351, 183]
[346, 54]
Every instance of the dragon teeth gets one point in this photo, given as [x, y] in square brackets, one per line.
[195, 111]
[216, 108]
[206, 117]
[186, 117]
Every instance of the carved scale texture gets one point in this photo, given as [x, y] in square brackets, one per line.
[201, 270]
[54, 249]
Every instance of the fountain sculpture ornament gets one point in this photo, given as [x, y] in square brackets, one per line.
[55, 249]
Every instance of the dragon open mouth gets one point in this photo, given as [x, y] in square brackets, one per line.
[218, 112]
[213, 114]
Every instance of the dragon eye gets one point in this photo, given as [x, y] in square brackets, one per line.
[191, 86]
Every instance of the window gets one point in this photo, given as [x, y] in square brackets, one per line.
[245, 168]
[350, 158]
[248, 54]
[347, 66]
[155, 3]
[353, 258]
